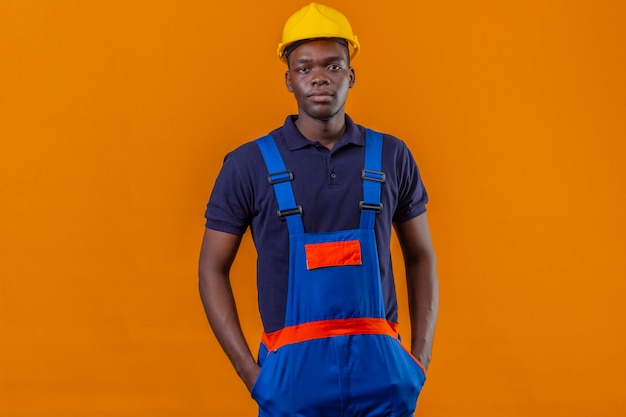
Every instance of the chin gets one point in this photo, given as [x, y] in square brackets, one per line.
[323, 117]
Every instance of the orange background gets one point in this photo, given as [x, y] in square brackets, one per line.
[115, 117]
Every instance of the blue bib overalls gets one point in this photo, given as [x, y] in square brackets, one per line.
[337, 355]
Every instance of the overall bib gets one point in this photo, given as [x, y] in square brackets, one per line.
[337, 355]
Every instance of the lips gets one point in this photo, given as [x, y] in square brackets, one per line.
[320, 96]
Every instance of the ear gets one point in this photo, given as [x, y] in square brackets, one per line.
[288, 81]
[352, 77]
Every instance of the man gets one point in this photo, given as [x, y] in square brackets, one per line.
[320, 195]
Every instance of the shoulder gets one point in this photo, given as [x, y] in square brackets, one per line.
[243, 168]
[249, 151]
[397, 159]
[393, 147]
[246, 159]
[392, 143]
[244, 153]
[388, 138]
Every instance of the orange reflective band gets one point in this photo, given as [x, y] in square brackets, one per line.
[320, 255]
[328, 328]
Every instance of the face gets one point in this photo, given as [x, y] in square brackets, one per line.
[319, 77]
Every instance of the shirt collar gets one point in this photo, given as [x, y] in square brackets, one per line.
[295, 140]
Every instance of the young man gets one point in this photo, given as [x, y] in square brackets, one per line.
[320, 195]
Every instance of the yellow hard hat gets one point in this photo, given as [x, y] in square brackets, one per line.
[317, 21]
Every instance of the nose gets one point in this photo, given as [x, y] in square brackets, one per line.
[319, 76]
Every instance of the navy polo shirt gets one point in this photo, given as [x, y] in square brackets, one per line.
[328, 186]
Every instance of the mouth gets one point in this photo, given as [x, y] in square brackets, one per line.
[320, 96]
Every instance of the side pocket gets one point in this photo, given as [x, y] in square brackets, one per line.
[413, 360]
[272, 388]
[408, 377]
[266, 363]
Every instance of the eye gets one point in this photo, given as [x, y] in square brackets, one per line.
[335, 67]
[303, 70]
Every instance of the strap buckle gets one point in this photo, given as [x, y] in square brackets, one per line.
[282, 214]
[376, 176]
[378, 208]
[280, 176]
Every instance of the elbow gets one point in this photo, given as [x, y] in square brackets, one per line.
[421, 259]
[204, 280]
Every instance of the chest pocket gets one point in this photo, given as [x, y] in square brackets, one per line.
[328, 254]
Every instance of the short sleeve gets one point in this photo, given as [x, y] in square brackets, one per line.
[412, 195]
[230, 206]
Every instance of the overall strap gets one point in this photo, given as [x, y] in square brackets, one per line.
[373, 177]
[281, 178]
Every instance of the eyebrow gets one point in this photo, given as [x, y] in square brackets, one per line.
[326, 60]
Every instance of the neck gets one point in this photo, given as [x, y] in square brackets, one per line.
[326, 132]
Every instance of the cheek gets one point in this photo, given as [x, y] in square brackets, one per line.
[297, 90]
[346, 83]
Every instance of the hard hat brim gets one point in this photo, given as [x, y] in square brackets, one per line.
[353, 46]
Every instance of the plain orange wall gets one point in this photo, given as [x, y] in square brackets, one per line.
[115, 117]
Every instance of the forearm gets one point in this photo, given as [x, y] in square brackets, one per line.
[216, 257]
[219, 305]
[423, 291]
